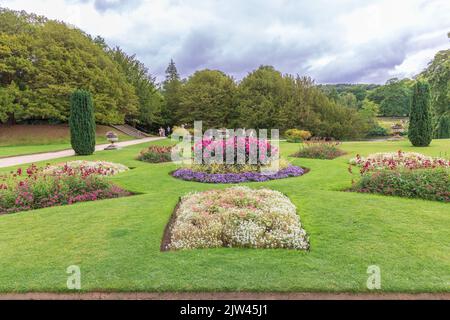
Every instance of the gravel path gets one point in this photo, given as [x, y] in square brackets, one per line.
[18, 160]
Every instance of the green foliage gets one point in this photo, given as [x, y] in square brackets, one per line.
[260, 96]
[267, 99]
[338, 92]
[48, 60]
[208, 96]
[349, 100]
[420, 130]
[149, 98]
[378, 131]
[296, 135]
[171, 91]
[443, 128]
[8, 102]
[394, 98]
[82, 123]
[429, 184]
[369, 111]
[438, 75]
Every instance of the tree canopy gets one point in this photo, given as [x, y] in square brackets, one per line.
[438, 75]
[208, 96]
[44, 61]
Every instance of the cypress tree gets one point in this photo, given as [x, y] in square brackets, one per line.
[443, 128]
[82, 123]
[420, 130]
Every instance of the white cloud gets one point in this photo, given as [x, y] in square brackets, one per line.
[339, 41]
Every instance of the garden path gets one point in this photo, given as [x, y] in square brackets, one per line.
[18, 160]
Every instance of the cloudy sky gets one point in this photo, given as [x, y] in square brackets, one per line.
[340, 41]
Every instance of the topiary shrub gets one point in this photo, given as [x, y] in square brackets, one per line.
[82, 123]
[443, 128]
[420, 131]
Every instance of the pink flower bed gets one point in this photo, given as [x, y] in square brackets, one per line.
[211, 148]
[35, 188]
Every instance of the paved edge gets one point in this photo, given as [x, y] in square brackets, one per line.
[222, 296]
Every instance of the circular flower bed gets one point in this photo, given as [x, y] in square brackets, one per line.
[98, 167]
[191, 175]
[235, 217]
[252, 159]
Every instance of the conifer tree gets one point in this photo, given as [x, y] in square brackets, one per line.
[171, 92]
[82, 123]
[420, 130]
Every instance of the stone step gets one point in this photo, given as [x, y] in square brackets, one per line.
[131, 131]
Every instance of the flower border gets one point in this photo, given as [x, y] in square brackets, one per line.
[228, 178]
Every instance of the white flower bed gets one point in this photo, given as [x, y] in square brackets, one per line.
[101, 167]
[237, 217]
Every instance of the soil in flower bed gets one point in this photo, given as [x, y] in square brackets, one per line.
[190, 175]
[235, 217]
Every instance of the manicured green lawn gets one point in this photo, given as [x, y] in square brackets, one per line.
[25, 141]
[116, 242]
[16, 150]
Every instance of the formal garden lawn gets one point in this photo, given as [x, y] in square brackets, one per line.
[29, 139]
[117, 242]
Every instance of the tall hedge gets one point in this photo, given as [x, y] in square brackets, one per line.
[82, 123]
[443, 128]
[420, 131]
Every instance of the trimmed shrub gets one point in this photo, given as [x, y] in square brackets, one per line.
[156, 154]
[429, 184]
[320, 150]
[82, 123]
[296, 135]
[378, 131]
[420, 131]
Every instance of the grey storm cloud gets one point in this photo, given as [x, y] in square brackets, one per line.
[331, 41]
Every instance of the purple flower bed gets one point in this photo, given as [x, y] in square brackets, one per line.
[189, 175]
